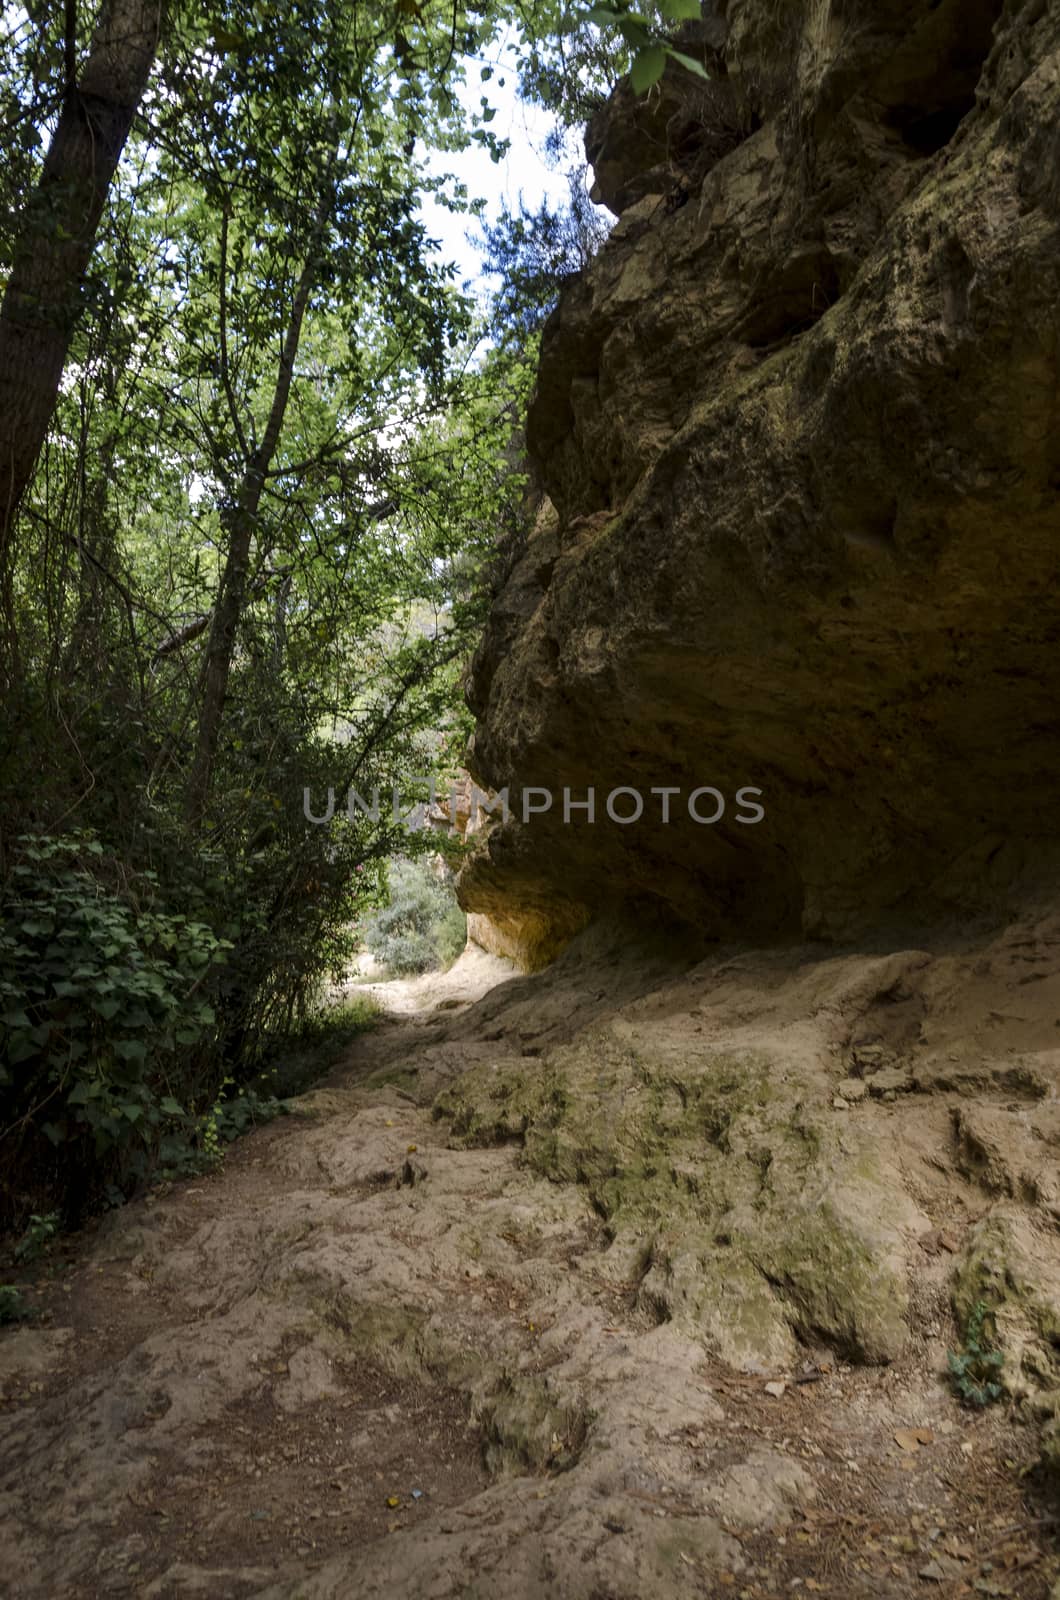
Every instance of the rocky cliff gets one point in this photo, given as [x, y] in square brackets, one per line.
[798, 430]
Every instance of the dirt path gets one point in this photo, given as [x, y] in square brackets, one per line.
[435, 994]
[376, 1355]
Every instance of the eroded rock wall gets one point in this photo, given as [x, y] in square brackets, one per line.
[798, 425]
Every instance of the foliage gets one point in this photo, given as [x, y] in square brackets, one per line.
[189, 948]
[572, 60]
[230, 1116]
[533, 253]
[38, 1237]
[13, 1307]
[103, 994]
[421, 927]
[254, 557]
[296, 1060]
[650, 53]
[975, 1368]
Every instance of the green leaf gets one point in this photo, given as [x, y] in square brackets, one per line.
[636, 34]
[690, 63]
[648, 68]
[171, 1107]
[680, 10]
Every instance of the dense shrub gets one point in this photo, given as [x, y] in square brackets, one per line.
[106, 1016]
[149, 973]
[422, 927]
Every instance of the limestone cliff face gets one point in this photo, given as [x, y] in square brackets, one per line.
[799, 427]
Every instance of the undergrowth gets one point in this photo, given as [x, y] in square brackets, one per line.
[298, 1060]
[13, 1307]
[131, 1041]
[422, 927]
[975, 1368]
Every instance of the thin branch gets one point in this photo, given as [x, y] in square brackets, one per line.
[226, 376]
[70, 49]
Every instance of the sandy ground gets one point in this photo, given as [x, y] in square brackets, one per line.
[466, 981]
[367, 1357]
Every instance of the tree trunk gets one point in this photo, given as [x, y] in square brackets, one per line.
[239, 525]
[56, 233]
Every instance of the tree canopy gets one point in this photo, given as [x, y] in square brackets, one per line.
[255, 462]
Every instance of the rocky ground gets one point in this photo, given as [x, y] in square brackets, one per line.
[625, 1280]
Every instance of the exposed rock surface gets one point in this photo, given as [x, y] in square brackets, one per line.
[584, 1287]
[799, 428]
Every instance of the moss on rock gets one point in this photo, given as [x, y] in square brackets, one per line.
[528, 1427]
[1002, 1268]
[753, 1222]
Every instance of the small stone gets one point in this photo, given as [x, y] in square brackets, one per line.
[941, 1570]
[892, 1080]
[776, 1389]
[852, 1090]
[912, 1438]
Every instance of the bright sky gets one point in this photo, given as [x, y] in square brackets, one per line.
[524, 170]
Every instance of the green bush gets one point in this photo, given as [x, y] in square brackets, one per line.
[422, 927]
[13, 1307]
[104, 998]
[38, 1238]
